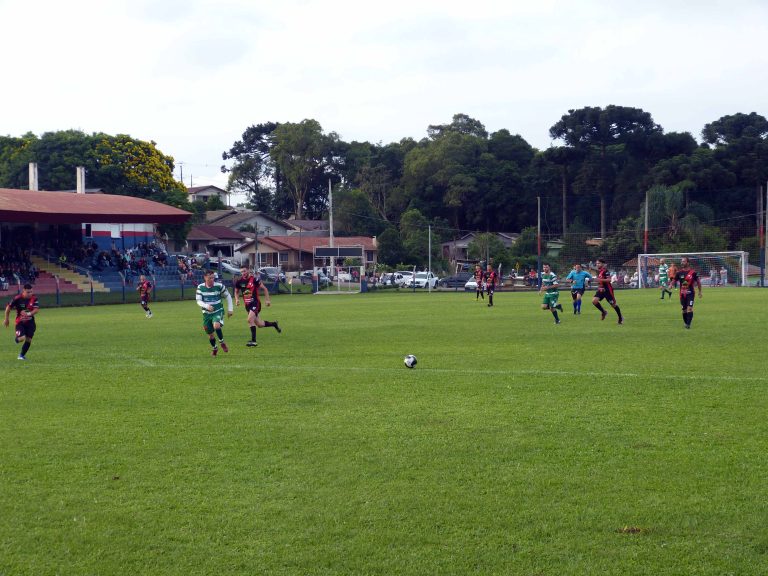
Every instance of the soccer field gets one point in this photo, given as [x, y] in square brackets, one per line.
[514, 447]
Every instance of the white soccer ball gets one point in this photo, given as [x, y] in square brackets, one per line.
[410, 361]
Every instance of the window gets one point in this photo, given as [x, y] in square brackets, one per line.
[283, 256]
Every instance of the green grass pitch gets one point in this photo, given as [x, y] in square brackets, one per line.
[514, 447]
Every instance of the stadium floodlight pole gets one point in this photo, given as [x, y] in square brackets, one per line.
[538, 241]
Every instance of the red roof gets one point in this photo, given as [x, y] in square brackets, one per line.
[69, 208]
[308, 243]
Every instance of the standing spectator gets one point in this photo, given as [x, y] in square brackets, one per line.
[723, 276]
[713, 276]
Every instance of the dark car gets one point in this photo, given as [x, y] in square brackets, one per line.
[455, 281]
[322, 279]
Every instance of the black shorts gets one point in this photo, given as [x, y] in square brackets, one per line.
[686, 300]
[606, 295]
[575, 291]
[26, 329]
[145, 299]
[254, 305]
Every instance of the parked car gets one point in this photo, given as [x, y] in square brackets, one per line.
[423, 279]
[455, 281]
[344, 276]
[322, 279]
[470, 284]
[271, 274]
[225, 267]
[405, 277]
[391, 279]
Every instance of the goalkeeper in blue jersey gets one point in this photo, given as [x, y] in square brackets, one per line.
[579, 280]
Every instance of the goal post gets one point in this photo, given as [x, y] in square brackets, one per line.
[714, 268]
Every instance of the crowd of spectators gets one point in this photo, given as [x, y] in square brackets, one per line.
[16, 268]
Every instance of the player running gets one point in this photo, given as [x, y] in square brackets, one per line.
[249, 286]
[490, 283]
[579, 279]
[664, 279]
[145, 292]
[605, 291]
[550, 283]
[26, 306]
[209, 298]
[688, 279]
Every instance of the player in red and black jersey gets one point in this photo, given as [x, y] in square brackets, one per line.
[688, 279]
[479, 279]
[25, 304]
[248, 286]
[145, 292]
[605, 291]
[490, 283]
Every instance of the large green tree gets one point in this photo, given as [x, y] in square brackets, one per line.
[252, 171]
[305, 156]
[602, 135]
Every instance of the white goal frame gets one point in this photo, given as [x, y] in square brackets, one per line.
[675, 256]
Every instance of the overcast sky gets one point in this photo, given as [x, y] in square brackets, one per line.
[192, 75]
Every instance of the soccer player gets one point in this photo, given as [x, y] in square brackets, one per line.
[145, 291]
[605, 291]
[26, 306]
[664, 279]
[490, 283]
[687, 278]
[550, 284]
[578, 279]
[209, 298]
[479, 279]
[249, 286]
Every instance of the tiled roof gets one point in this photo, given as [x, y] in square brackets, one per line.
[68, 208]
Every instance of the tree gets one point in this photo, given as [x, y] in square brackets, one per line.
[461, 124]
[253, 171]
[390, 245]
[602, 135]
[302, 153]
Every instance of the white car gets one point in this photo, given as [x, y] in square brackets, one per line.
[405, 277]
[471, 284]
[424, 280]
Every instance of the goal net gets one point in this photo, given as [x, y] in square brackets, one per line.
[714, 268]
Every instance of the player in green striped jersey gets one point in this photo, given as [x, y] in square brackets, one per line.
[664, 279]
[209, 297]
[550, 283]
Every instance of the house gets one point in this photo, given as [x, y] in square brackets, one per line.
[309, 227]
[249, 221]
[211, 240]
[205, 192]
[296, 252]
[456, 251]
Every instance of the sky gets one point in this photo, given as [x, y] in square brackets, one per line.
[192, 75]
